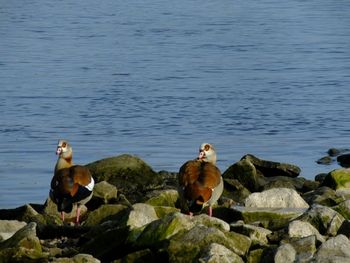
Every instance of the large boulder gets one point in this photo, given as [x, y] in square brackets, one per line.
[131, 175]
[269, 168]
[276, 198]
[338, 179]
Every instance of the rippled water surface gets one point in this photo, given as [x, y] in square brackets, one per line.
[157, 78]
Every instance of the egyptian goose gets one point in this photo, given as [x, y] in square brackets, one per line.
[200, 181]
[71, 184]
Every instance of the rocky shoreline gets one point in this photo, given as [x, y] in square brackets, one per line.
[267, 213]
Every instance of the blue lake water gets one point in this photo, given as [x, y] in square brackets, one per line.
[157, 78]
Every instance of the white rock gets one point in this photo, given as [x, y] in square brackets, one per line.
[276, 198]
[9, 227]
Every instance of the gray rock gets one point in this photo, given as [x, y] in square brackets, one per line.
[324, 219]
[258, 235]
[335, 249]
[276, 198]
[9, 227]
[105, 191]
[300, 229]
[305, 248]
[217, 253]
[285, 254]
[141, 215]
[131, 175]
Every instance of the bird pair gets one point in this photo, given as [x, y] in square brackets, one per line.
[200, 182]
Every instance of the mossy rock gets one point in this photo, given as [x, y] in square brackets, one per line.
[270, 218]
[131, 175]
[186, 246]
[105, 213]
[23, 246]
[326, 220]
[245, 173]
[324, 195]
[167, 197]
[338, 179]
[269, 168]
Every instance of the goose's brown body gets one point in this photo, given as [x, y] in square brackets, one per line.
[71, 184]
[200, 181]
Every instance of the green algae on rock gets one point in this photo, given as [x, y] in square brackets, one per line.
[131, 175]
